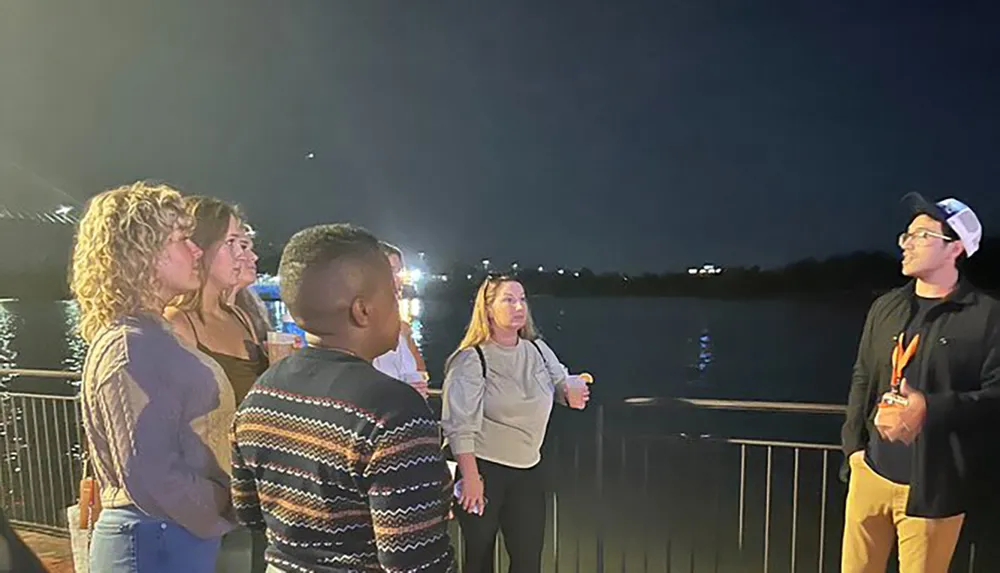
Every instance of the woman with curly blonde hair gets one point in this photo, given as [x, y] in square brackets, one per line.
[156, 411]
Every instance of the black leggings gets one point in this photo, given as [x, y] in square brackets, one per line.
[515, 505]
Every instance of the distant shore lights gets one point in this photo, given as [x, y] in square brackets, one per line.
[705, 270]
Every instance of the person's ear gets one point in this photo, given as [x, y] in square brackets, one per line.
[360, 312]
[957, 248]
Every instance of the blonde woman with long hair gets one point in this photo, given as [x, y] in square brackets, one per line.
[156, 411]
[242, 297]
[499, 388]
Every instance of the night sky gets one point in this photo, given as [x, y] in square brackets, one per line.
[615, 135]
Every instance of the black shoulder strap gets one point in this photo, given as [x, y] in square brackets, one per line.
[539, 349]
[194, 330]
[482, 359]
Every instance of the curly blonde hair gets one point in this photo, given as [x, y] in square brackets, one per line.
[118, 243]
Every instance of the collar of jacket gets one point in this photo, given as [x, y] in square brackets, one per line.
[964, 293]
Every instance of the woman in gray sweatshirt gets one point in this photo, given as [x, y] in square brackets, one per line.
[499, 388]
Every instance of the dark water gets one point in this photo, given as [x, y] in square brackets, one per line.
[762, 350]
[769, 350]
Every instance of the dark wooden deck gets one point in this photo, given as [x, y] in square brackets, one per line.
[54, 551]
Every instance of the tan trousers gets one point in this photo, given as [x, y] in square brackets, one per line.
[876, 517]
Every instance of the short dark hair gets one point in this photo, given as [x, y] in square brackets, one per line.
[313, 251]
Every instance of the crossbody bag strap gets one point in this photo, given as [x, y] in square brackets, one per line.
[89, 494]
[542, 354]
[482, 360]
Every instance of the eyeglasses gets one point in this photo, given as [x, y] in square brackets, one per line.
[920, 237]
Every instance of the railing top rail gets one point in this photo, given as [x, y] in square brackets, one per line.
[642, 401]
[784, 444]
[40, 396]
[741, 405]
[40, 373]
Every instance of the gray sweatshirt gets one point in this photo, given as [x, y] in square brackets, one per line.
[502, 418]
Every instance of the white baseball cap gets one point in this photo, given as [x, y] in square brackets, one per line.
[954, 213]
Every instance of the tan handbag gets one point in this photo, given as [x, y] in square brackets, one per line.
[82, 517]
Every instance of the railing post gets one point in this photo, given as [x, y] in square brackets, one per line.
[624, 480]
[576, 497]
[795, 508]
[822, 512]
[6, 477]
[743, 490]
[555, 515]
[645, 513]
[18, 458]
[767, 510]
[600, 487]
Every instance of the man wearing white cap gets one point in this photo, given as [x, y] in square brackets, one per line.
[924, 399]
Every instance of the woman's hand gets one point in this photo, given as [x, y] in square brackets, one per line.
[473, 495]
[577, 395]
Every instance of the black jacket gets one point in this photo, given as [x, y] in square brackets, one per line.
[15, 555]
[958, 362]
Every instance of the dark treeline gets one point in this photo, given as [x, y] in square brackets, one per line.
[861, 274]
[858, 274]
[34, 285]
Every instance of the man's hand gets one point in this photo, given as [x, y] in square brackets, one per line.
[422, 388]
[908, 421]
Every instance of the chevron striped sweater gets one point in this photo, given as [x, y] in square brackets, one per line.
[342, 465]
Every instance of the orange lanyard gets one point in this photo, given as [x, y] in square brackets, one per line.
[900, 358]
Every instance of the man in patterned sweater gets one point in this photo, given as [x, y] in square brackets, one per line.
[340, 463]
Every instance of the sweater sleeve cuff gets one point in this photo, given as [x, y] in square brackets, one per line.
[463, 446]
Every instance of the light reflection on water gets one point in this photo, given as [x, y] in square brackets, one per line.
[8, 331]
[703, 348]
[76, 348]
[410, 310]
[30, 336]
[12, 414]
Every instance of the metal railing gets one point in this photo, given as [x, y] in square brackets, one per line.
[634, 488]
[41, 439]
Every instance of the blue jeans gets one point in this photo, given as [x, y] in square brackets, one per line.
[126, 540]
